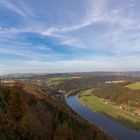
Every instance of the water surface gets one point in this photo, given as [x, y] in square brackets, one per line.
[117, 130]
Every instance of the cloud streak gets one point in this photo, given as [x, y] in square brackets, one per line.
[22, 10]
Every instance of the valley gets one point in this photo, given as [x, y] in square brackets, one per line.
[40, 102]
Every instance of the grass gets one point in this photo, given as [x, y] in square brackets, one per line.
[57, 80]
[97, 104]
[134, 86]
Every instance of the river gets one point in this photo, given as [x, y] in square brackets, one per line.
[117, 130]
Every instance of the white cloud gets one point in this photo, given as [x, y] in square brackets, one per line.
[95, 14]
[28, 53]
[23, 10]
[12, 7]
[81, 65]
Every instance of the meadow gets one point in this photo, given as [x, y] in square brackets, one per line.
[134, 86]
[57, 80]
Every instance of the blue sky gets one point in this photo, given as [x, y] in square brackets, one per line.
[69, 35]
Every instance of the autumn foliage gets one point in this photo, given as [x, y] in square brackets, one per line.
[24, 116]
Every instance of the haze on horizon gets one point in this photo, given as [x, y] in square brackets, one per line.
[69, 35]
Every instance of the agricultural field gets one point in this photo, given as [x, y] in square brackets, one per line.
[57, 80]
[134, 86]
[110, 109]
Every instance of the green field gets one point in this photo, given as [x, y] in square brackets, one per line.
[108, 108]
[134, 86]
[57, 80]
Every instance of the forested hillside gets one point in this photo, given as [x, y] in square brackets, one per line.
[35, 115]
[119, 94]
[85, 82]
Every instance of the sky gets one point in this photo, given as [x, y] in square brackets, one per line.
[52, 36]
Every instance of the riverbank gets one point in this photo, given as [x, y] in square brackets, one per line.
[109, 109]
[108, 125]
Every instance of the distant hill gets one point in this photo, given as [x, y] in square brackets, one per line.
[96, 73]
